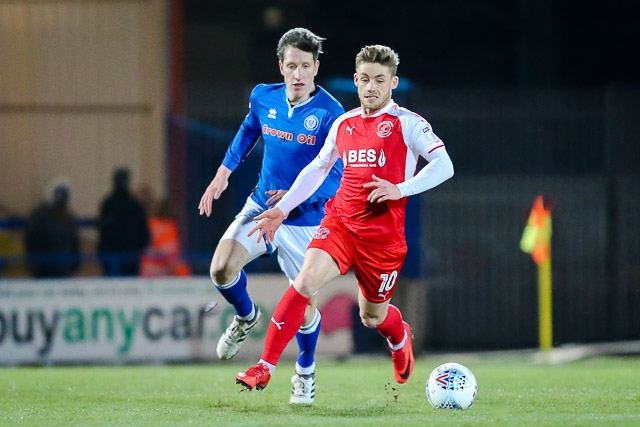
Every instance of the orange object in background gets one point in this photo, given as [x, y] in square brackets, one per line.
[163, 258]
[536, 239]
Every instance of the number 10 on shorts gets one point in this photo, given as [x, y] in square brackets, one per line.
[388, 282]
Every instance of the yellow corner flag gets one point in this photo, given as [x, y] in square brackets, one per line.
[536, 240]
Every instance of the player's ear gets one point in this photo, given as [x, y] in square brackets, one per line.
[355, 79]
[317, 67]
[395, 80]
[281, 67]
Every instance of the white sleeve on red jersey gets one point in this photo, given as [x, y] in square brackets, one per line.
[421, 140]
[313, 175]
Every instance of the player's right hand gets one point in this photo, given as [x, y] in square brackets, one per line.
[219, 183]
[268, 223]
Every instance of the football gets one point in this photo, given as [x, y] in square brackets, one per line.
[451, 386]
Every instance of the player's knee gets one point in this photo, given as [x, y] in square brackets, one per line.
[222, 274]
[305, 285]
[370, 321]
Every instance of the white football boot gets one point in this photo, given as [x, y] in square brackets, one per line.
[230, 342]
[304, 389]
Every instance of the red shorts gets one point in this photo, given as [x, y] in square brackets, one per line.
[376, 267]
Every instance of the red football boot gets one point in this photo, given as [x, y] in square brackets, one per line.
[402, 359]
[257, 377]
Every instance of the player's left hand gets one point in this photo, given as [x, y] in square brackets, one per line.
[383, 190]
[276, 195]
[268, 222]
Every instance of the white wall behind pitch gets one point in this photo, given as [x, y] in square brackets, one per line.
[83, 90]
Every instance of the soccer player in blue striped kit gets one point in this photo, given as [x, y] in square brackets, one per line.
[293, 118]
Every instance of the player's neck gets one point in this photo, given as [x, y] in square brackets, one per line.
[368, 112]
[302, 98]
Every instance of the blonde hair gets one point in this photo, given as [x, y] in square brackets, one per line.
[379, 54]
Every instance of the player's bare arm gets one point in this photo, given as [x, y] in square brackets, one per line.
[383, 190]
[268, 223]
[213, 192]
[276, 195]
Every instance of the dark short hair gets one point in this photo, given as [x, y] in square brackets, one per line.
[302, 39]
[379, 54]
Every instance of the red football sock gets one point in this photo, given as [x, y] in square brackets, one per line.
[391, 327]
[287, 319]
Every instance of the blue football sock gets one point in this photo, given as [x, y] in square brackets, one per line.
[236, 294]
[307, 338]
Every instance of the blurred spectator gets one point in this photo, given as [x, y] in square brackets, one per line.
[163, 258]
[51, 236]
[123, 233]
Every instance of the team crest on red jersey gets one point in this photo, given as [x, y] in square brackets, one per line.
[384, 129]
[322, 233]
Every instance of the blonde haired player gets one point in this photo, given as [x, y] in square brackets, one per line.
[363, 227]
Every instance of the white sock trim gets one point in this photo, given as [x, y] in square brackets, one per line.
[249, 316]
[272, 368]
[400, 345]
[230, 284]
[305, 371]
[311, 328]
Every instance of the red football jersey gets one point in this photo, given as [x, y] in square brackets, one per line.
[388, 145]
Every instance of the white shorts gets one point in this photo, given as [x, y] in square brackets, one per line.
[290, 242]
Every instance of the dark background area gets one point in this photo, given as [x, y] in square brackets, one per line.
[444, 43]
[531, 97]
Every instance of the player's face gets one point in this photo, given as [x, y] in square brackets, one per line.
[375, 83]
[299, 70]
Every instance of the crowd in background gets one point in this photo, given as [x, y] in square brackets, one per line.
[137, 235]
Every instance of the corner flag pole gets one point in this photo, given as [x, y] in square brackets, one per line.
[545, 321]
[536, 240]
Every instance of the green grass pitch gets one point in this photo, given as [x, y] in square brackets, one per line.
[512, 391]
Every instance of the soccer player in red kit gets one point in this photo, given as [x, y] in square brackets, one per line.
[363, 227]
